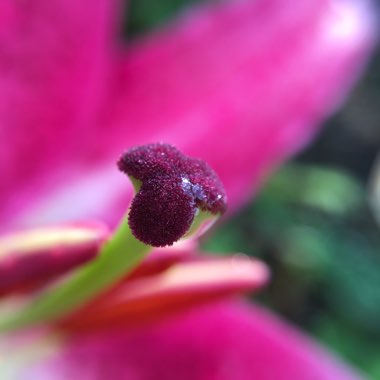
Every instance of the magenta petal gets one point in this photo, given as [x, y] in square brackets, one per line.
[215, 343]
[53, 62]
[183, 285]
[240, 84]
[30, 259]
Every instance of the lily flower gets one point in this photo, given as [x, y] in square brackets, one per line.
[223, 83]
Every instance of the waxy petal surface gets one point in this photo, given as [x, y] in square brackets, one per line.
[187, 283]
[212, 343]
[54, 59]
[31, 258]
[240, 84]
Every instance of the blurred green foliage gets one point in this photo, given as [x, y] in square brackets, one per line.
[143, 15]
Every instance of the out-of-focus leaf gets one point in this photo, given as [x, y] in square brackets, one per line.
[322, 188]
[146, 14]
[360, 349]
[374, 195]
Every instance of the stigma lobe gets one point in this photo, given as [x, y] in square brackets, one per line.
[173, 188]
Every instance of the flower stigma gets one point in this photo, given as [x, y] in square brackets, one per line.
[176, 192]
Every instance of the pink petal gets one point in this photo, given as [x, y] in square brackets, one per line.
[241, 84]
[214, 343]
[53, 62]
[189, 282]
[29, 259]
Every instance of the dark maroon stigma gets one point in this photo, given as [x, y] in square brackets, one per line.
[173, 187]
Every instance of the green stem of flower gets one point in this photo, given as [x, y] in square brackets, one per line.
[119, 256]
